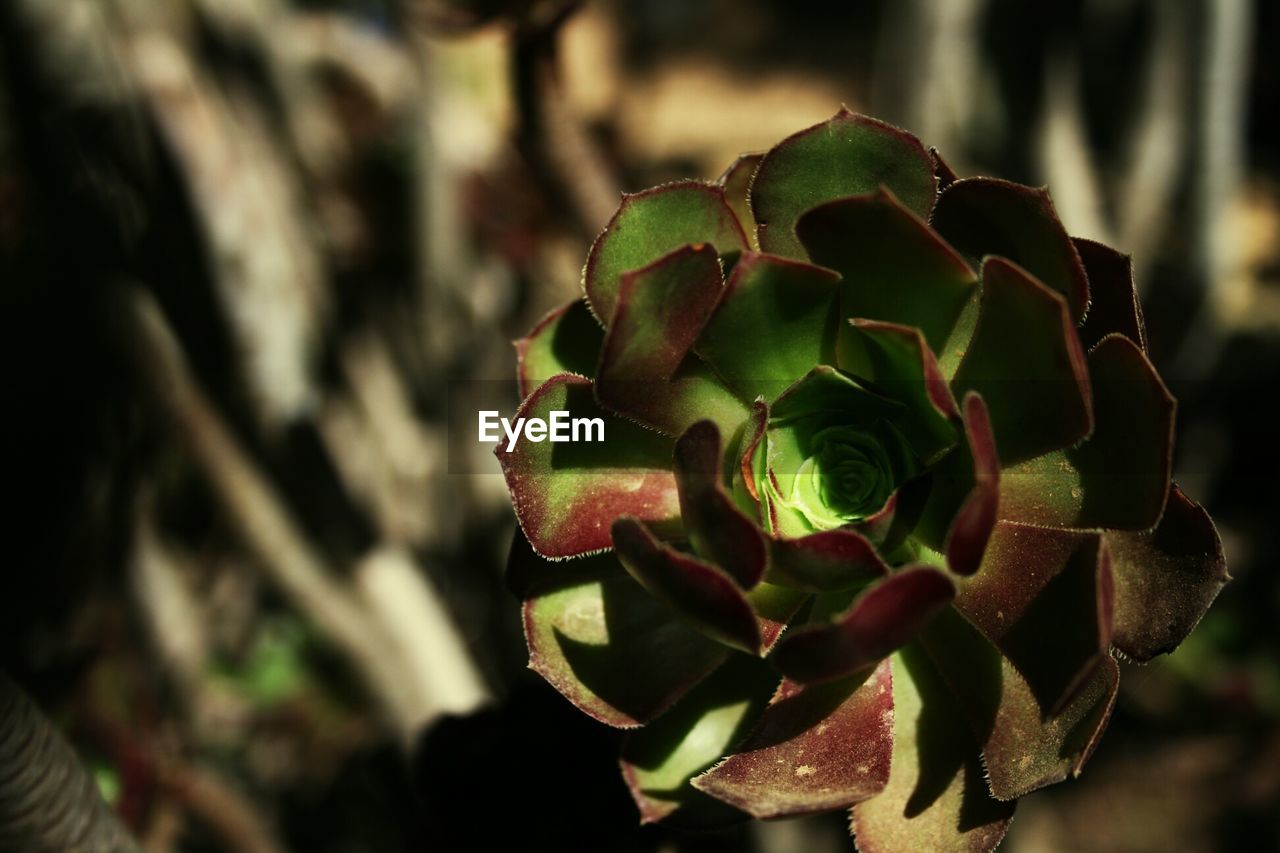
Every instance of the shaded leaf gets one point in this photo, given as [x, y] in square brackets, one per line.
[846, 155]
[1166, 579]
[1023, 751]
[703, 594]
[894, 267]
[972, 525]
[1113, 297]
[889, 613]
[612, 650]
[898, 363]
[1045, 598]
[567, 340]
[651, 224]
[988, 216]
[1119, 477]
[816, 748]
[661, 311]
[936, 798]
[718, 530]
[659, 760]
[1026, 362]
[566, 494]
[774, 322]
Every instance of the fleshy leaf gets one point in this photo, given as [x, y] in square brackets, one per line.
[1166, 579]
[964, 496]
[816, 748]
[566, 494]
[987, 216]
[899, 364]
[774, 322]
[736, 183]
[824, 400]
[1113, 297]
[1026, 362]
[659, 760]
[971, 528]
[936, 798]
[651, 224]
[1023, 751]
[889, 613]
[718, 530]
[1118, 479]
[703, 594]
[846, 155]
[1045, 598]
[567, 340]
[825, 390]
[828, 561]
[750, 469]
[646, 371]
[610, 648]
[894, 268]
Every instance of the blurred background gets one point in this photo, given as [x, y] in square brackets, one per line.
[255, 255]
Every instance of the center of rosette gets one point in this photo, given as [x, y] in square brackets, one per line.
[846, 477]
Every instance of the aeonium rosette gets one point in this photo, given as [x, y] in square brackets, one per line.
[884, 489]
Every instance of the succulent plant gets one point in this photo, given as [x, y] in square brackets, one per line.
[884, 493]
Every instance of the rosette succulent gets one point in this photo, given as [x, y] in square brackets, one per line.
[883, 493]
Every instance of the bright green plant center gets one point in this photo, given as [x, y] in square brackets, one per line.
[846, 477]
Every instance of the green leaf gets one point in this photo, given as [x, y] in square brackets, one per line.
[703, 594]
[894, 267]
[1026, 362]
[651, 224]
[898, 363]
[659, 760]
[1045, 598]
[646, 369]
[846, 155]
[975, 519]
[774, 322]
[936, 798]
[1023, 750]
[567, 340]
[1166, 579]
[825, 391]
[611, 649]
[1119, 477]
[749, 473]
[566, 494]
[882, 618]
[736, 183]
[816, 748]
[987, 216]
[718, 530]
